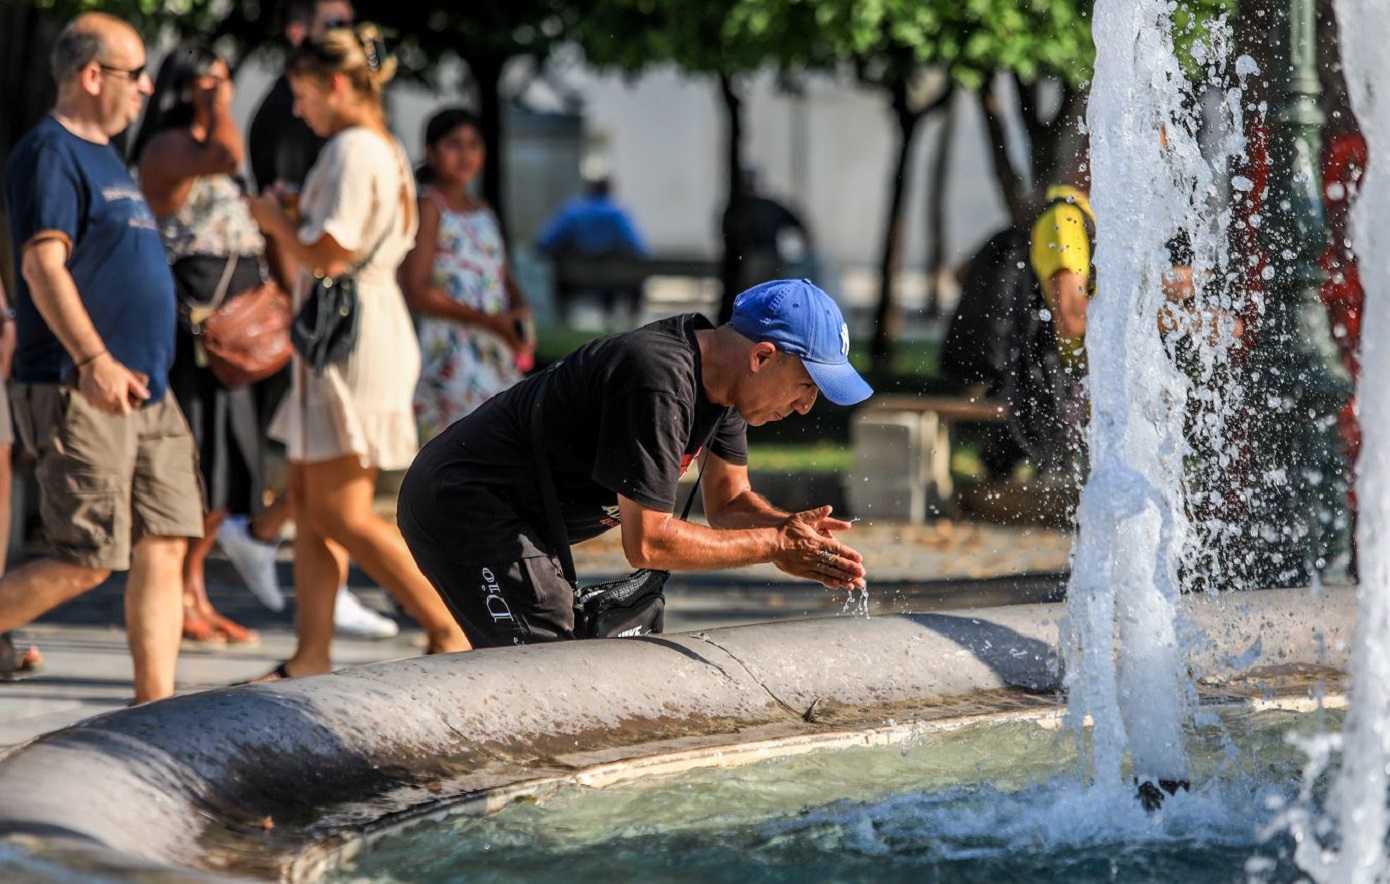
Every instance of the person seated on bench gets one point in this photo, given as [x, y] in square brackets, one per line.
[594, 226]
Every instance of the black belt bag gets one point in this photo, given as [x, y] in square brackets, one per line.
[629, 606]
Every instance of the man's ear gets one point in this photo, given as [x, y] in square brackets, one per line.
[295, 32]
[89, 78]
[761, 356]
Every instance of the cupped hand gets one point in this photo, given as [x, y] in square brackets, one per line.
[807, 548]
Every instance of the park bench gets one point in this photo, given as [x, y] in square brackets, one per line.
[627, 277]
[902, 453]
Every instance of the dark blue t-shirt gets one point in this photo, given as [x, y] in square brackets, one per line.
[56, 181]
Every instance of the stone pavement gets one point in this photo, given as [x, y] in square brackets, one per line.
[949, 565]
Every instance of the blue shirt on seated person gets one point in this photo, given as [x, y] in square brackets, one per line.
[592, 225]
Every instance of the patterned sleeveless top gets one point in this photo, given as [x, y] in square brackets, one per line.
[213, 220]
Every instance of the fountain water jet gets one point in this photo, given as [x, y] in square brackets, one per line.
[1347, 844]
[1126, 661]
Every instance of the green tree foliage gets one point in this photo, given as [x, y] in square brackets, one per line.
[485, 35]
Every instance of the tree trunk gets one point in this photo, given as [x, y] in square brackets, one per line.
[887, 317]
[732, 260]
[936, 210]
[27, 90]
[487, 77]
[1011, 186]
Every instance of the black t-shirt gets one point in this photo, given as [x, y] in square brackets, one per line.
[625, 414]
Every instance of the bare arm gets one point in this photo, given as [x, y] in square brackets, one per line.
[172, 159]
[106, 383]
[7, 337]
[425, 298]
[1066, 298]
[749, 532]
[324, 254]
[729, 498]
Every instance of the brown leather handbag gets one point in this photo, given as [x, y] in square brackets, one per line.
[246, 338]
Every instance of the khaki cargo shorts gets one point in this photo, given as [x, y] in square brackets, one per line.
[6, 424]
[105, 482]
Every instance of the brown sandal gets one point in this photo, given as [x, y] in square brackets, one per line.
[197, 628]
[234, 633]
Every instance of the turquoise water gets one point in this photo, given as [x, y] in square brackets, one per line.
[986, 802]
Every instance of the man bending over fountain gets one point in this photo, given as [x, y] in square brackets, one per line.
[620, 420]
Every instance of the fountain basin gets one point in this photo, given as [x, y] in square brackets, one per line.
[282, 781]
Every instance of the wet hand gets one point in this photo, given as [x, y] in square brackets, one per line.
[808, 549]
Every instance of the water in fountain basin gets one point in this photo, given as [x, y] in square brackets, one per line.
[981, 803]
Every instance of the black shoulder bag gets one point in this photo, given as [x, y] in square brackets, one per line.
[326, 325]
[629, 606]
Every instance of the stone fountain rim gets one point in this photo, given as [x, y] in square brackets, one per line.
[181, 786]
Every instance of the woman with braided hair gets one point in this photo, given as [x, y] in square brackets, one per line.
[357, 217]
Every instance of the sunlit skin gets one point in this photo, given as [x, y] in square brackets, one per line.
[457, 159]
[125, 97]
[96, 103]
[778, 387]
[763, 385]
[332, 498]
[327, 105]
[314, 103]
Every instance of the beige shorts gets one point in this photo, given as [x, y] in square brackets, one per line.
[6, 424]
[105, 481]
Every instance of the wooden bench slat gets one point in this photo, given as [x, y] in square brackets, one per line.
[951, 409]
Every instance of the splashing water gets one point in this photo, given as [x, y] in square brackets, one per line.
[1150, 182]
[1347, 842]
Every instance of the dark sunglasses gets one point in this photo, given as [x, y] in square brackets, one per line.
[131, 74]
[333, 24]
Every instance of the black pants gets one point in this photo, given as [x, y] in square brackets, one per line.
[498, 600]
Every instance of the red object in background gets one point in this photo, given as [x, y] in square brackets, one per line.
[1344, 159]
[1343, 162]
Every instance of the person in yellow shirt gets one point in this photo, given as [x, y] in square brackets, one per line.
[1060, 250]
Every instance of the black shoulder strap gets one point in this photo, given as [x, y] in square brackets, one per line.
[558, 535]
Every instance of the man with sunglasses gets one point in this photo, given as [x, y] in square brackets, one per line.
[94, 314]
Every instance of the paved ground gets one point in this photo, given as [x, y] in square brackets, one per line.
[912, 568]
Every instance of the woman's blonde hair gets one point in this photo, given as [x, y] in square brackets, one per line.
[358, 53]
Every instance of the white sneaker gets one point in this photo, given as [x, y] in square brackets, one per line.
[352, 618]
[253, 559]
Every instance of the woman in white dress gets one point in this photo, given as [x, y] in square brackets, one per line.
[344, 426]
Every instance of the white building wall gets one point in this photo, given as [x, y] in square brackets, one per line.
[827, 153]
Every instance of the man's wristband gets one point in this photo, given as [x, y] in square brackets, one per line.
[89, 360]
[6, 315]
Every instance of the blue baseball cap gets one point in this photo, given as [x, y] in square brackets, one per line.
[802, 320]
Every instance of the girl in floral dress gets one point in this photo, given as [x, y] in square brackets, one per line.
[472, 317]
